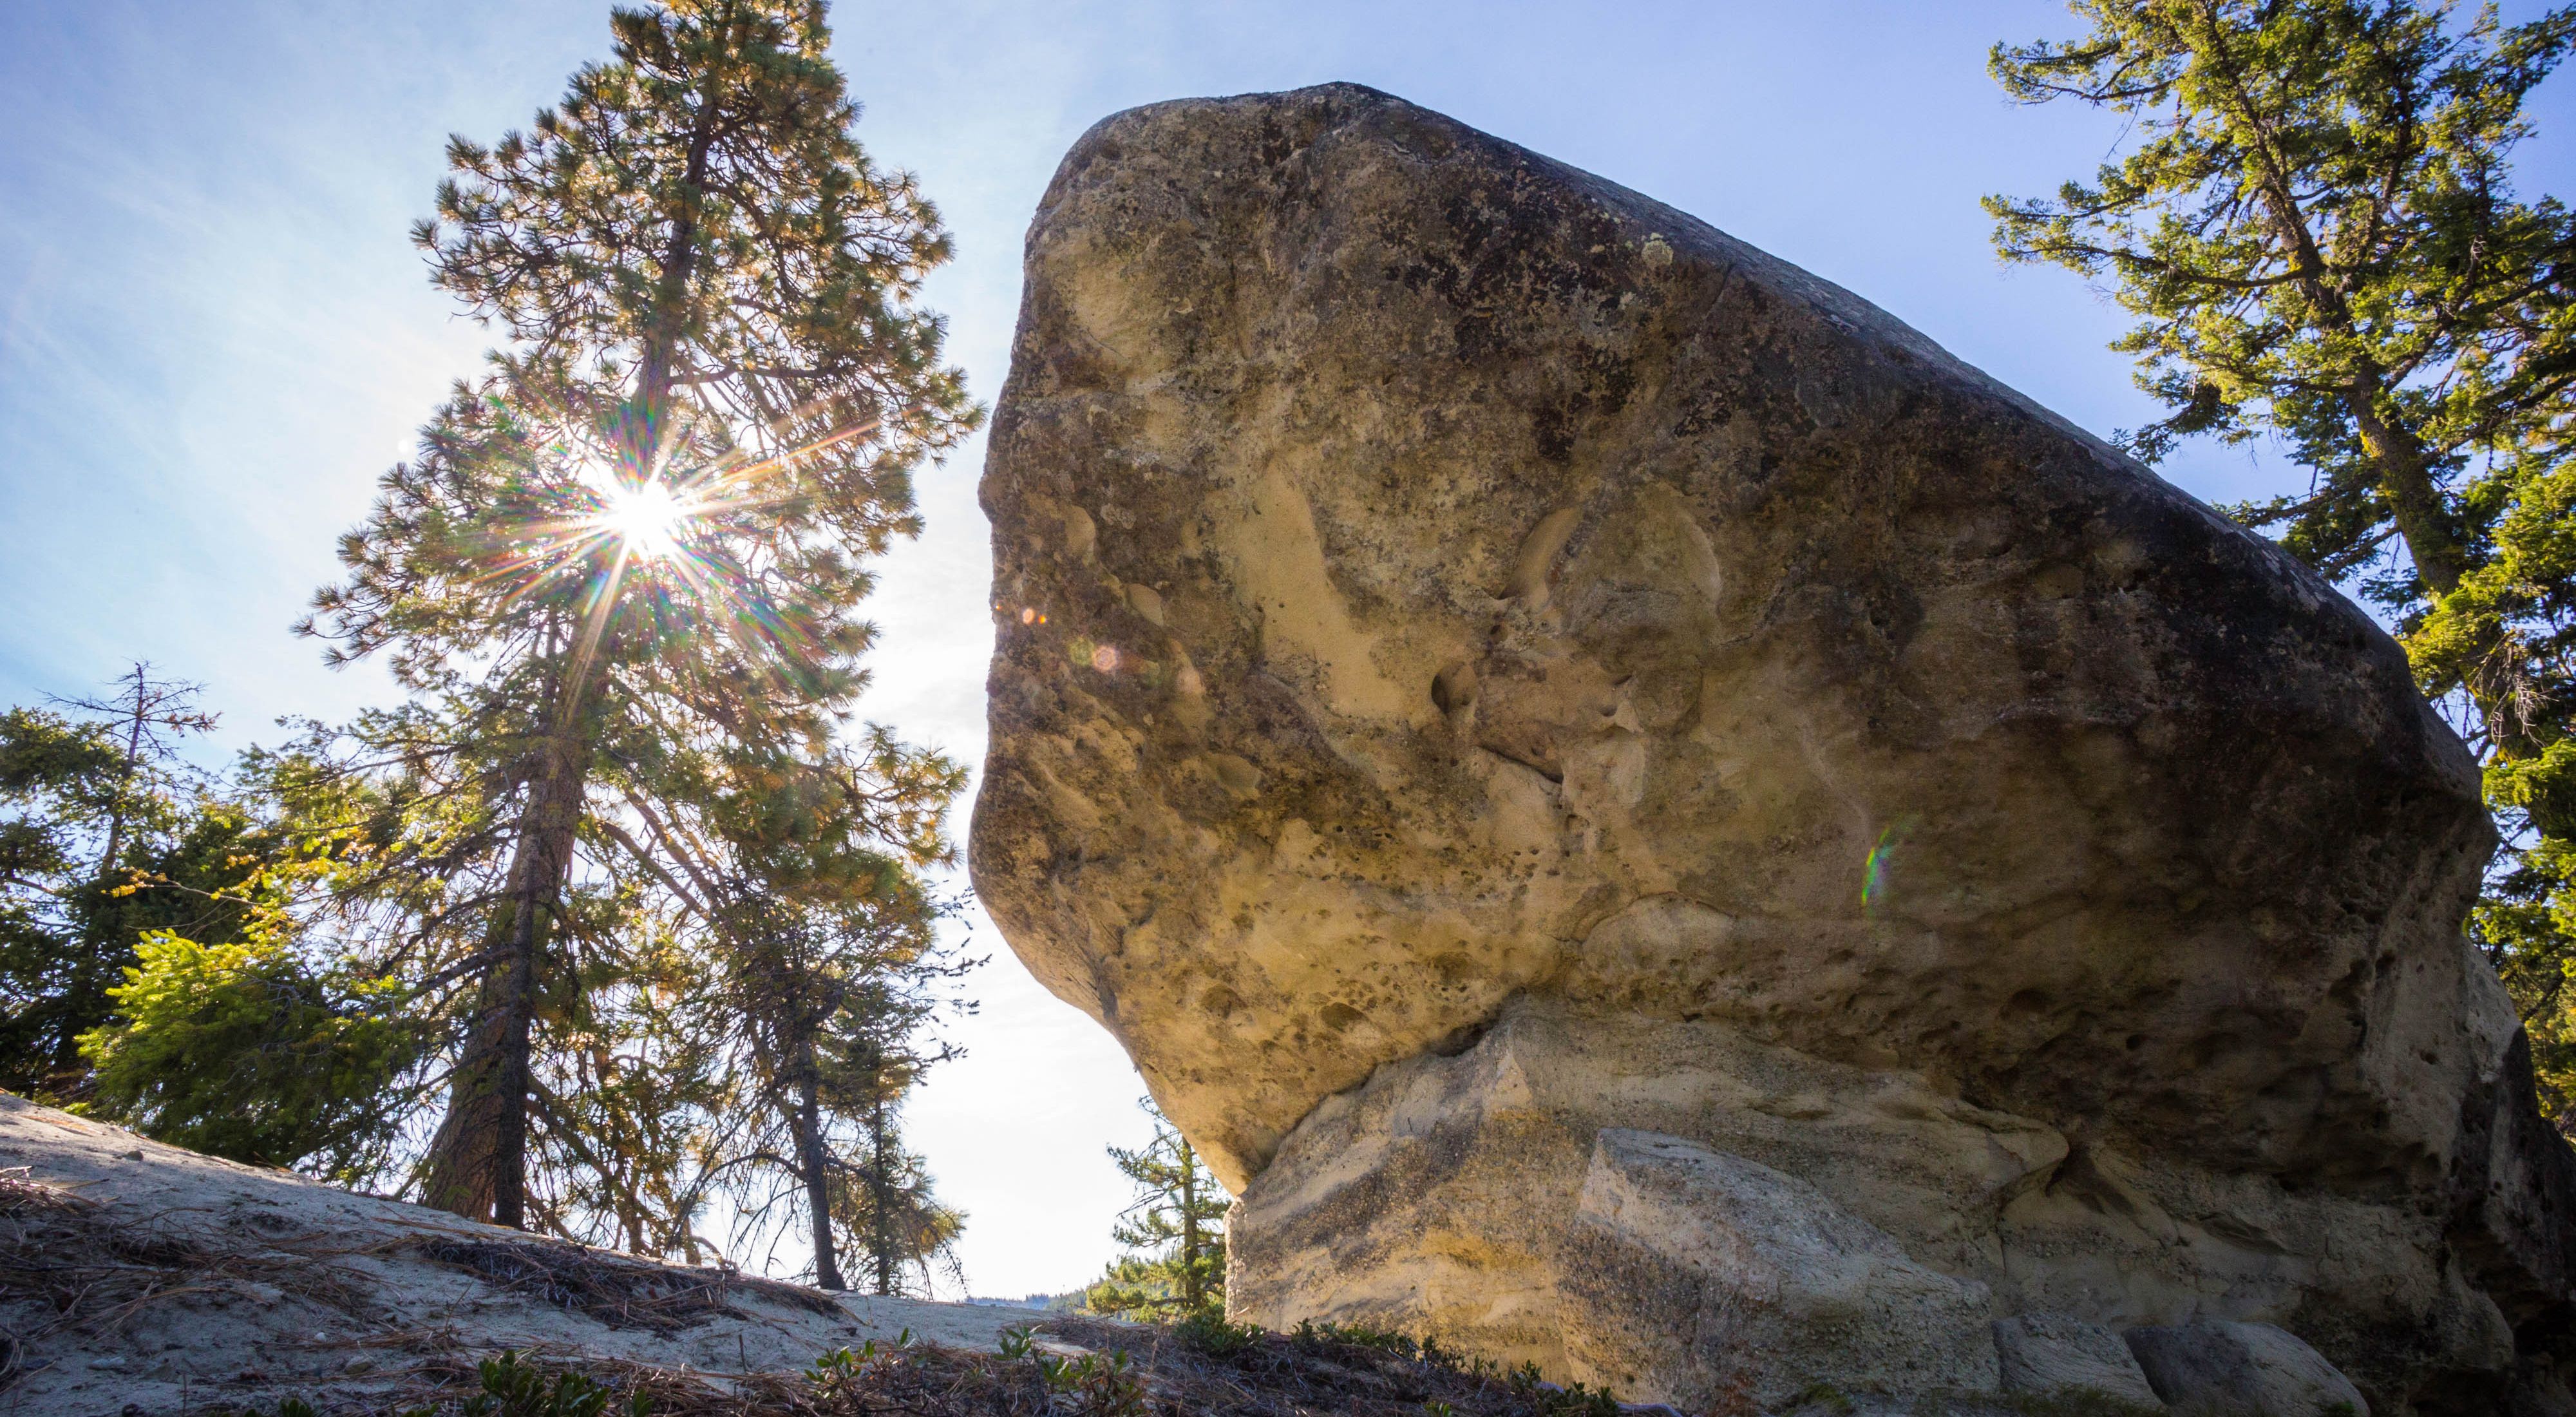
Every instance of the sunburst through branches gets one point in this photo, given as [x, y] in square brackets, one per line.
[610, 525]
[648, 519]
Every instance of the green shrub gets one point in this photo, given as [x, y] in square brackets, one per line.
[241, 1050]
[1384, 1340]
[1209, 1333]
[516, 1388]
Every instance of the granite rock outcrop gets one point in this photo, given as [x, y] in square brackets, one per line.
[1489, 664]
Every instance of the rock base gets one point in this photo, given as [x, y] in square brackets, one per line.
[2053, 1356]
[2242, 1370]
[1703, 1279]
[1683, 1213]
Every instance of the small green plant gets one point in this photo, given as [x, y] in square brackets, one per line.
[1109, 1389]
[1107, 1385]
[1209, 1333]
[840, 1374]
[843, 1372]
[514, 1387]
[1015, 1344]
[1434, 1407]
[1385, 1340]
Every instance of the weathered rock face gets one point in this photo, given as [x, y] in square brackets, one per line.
[2052, 1356]
[2240, 1370]
[1486, 659]
[1771, 1282]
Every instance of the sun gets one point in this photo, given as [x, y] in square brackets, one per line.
[647, 518]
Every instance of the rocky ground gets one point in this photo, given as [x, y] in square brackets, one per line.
[138, 1276]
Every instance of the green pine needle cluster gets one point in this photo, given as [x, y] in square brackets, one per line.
[244, 1049]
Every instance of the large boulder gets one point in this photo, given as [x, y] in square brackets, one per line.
[1486, 659]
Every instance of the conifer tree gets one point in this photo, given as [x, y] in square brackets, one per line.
[110, 834]
[881, 1191]
[833, 966]
[630, 552]
[1175, 1232]
[2316, 230]
[149, 951]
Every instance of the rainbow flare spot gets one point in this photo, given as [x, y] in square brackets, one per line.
[1875, 868]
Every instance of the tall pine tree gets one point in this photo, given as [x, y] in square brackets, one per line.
[632, 549]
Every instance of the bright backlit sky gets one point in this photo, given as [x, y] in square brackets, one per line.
[214, 335]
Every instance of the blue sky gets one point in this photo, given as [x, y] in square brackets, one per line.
[214, 334]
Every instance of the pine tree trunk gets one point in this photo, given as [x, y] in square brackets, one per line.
[124, 784]
[2423, 524]
[881, 1244]
[679, 264]
[478, 1165]
[1189, 1228]
[2414, 502]
[808, 1125]
[2397, 453]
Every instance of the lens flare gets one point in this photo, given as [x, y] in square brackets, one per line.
[649, 519]
[1878, 867]
[674, 535]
